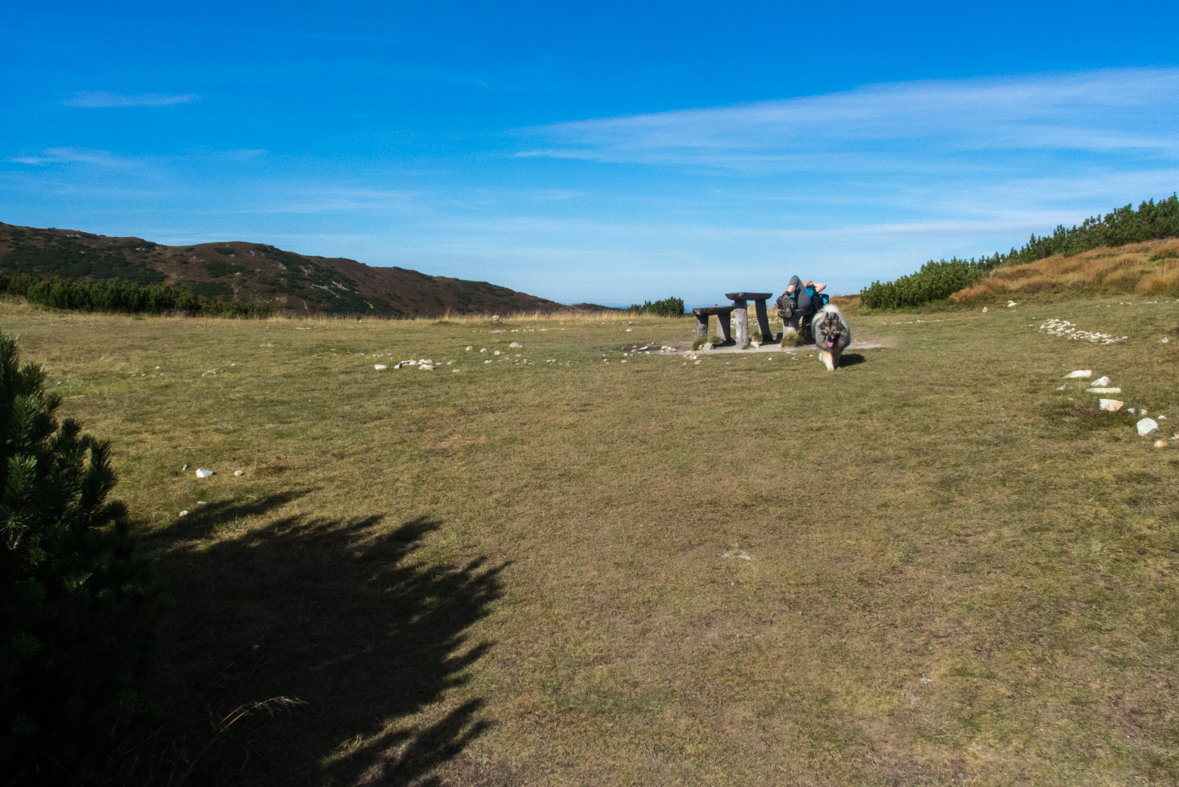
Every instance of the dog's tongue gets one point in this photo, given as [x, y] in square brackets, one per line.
[830, 343]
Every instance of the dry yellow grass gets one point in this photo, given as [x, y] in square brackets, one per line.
[1147, 269]
[533, 572]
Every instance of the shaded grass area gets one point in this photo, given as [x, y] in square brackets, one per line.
[517, 574]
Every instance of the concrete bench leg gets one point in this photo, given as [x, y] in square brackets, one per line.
[741, 313]
[701, 326]
[763, 321]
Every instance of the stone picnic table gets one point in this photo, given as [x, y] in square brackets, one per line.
[740, 306]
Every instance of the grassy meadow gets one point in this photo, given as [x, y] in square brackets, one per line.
[941, 564]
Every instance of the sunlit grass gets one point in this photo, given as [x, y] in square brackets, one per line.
[559, 568]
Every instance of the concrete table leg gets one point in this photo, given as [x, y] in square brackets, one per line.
[722, 322]
[741, 313]
[763, 321]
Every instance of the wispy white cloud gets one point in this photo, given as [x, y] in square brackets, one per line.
[1130, 110]
[101, 98]
[101, 158]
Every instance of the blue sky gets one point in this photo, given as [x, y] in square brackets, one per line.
[590, 151]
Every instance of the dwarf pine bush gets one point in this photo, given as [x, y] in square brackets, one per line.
[668, 307]
[76, 610]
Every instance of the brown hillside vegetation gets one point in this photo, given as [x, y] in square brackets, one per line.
[256, 273]
[1148, 269]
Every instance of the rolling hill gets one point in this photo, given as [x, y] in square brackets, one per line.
[255, 273]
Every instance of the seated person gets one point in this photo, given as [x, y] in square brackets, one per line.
[799, 304]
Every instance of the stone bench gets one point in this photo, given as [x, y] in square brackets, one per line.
[722, 318]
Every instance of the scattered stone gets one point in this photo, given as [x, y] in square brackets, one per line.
[1100, 381]
[1104, 390]
[1147, 426]
[1055, 327]
[203, 472]
[495, 318]
[1079, 373]
[984, 310]
[184, 512]
[1164, 340]
[496, 352]
[239, 472]
[1160, 443]
[183, 469]
[380, 366]
[1011, 304]
[515, 344]
[470, 348]
[1112, 405]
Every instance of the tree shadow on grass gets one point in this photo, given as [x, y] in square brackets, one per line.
[338, 615]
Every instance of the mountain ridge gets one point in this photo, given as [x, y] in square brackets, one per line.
[287, 282]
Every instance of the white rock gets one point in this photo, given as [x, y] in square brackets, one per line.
[495, 318]
[984, 310]
[1113, 405]
[239, 472]
[1011, 304]
[429, 367]
[496, 352]
[1147, 426]
[203, 472]
[1079, 373]
[515, 344]
[1104, 390]
[1100, 381]
[470, 348]
[184, 513]
[380, 366]
[1160, 443]
[1164, 340]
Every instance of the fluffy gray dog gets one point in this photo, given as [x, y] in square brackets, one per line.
[832, 335]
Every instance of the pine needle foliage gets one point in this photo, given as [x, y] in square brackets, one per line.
[76, 609]
[122, 297]
[668, 307]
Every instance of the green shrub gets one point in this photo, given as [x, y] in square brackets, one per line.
[115, 295]
[76, 610]
[935, 281]
[668, 307]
